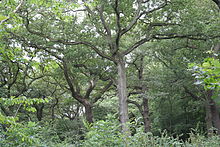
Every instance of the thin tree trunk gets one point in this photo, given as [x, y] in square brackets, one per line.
[208, 119]
[145, 115]
[145, 105]
[122, 93]
[52, 109]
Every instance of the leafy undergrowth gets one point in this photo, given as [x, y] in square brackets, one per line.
[100, 134]
[106, 133]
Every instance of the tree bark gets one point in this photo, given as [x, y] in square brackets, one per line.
[122, 94]
[212, 114]
[39, 108]
[143, 108]
[52, 109]
[88, 112]
[208, 119]
[145, 115]
[215, 116]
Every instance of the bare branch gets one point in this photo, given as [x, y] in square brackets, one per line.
[65, 42]
[139, 14]
[134, 93]
[152, 25]
[106, 27]
[118, 25]
[174, 35]
[136, 104]
[136, 45]
[104, 89]
[93, 47]
[134, 20]
[190, 93]
[78, 10]
[70, 84]
[157, 8]
[87, 8]
[91, 87]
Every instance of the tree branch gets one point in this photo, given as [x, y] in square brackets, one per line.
[190, 93]
[134, 93]
[106, 27]
[71, 87]
[136, 104]
[66, 42]
[139, 14]
[91, 87]
[174, 35]
[118, 33]
[15, 11]
[134, 20]
[104, 89]
[136, 45]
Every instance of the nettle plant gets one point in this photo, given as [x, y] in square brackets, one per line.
[13, 131]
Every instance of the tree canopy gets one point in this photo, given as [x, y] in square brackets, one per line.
[109, 72]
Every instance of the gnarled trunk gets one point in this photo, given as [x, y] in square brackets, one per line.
[122, 93]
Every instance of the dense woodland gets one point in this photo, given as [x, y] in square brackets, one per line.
[96, 73]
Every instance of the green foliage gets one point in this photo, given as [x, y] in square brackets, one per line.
[207, 73]
[20, 134]
[38, 37]
[26, 102]
[2, 17]
[71, 131]
[197, 139]
[104, 133]
[25, 134]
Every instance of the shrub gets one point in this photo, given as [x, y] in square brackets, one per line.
[107, 134]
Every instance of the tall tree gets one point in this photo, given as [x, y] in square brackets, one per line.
[103, 30]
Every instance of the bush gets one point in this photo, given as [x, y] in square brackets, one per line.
[107, 134]
[20, 134]
[103, 133]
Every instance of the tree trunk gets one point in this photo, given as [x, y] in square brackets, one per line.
[145, 105]
[145, 115]
[39, 108]
[88, 112]
[122, 93]
[212, 114]
[215, 116]
[208, 119]
[53, 109]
